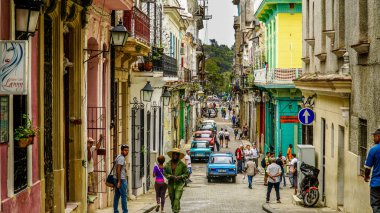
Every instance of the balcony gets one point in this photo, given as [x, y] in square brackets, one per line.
[277, 75]
[137, 24]
[115, 4]
[166, 64]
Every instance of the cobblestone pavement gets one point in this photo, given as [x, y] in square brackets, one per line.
[221, 196]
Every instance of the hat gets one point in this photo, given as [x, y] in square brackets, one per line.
[176, 150]
[90, 139]
[377, 132]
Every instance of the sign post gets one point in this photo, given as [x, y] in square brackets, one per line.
[306, 116]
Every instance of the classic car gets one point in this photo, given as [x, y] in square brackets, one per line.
[221, 165]
[205, 136]
[200, 150]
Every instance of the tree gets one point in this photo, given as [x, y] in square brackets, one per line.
[218, 67]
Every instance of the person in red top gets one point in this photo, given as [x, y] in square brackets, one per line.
[239, 158]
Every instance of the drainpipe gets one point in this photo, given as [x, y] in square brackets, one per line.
[113, 89]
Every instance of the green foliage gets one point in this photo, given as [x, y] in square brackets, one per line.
[26, 130]
[219, 67]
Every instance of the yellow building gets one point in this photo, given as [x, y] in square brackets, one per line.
[283, 22]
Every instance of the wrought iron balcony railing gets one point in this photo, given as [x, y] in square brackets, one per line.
[137, 24]
[277, 75]
[166, 64]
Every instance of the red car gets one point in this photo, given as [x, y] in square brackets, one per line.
[205, 136]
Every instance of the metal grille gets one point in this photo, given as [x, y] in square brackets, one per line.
[20, 154]
[138, 24]
[362, 144]
[148, 127]
[137, 142]
[96, 127]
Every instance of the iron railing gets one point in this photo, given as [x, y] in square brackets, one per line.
[137, 24]
[277, 75]
[166, 64]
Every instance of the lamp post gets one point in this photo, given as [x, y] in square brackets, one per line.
[175, 113]
[27, 13]
[166, 97]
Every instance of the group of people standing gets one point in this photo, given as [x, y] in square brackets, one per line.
[224, 137]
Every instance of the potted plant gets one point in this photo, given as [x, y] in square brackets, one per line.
[25, 134]
[148, 65]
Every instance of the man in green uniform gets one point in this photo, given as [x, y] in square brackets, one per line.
[176, 172]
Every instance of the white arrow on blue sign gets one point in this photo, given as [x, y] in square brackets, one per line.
[306, 116]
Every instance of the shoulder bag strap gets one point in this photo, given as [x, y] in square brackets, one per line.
[160, 171]
[114, 164]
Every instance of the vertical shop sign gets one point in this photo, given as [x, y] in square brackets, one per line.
[13, 67]
[4, 119]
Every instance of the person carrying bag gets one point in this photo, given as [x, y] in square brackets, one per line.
[161, 183]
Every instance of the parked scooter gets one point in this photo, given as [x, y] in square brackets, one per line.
[309, 186]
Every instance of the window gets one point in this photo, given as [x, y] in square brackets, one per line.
[307, 134]
[20, 154]
[362, 144]
[332, 140]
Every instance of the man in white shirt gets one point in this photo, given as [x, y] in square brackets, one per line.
[255, 155]
[90, 162]
[226, 137]
[291, 169]
[274, 174]
[188, 164]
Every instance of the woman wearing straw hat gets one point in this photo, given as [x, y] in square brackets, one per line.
[176, 172]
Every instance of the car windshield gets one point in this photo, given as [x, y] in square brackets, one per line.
[221, 160]
[202, 135]
[207, 127]
[200, 145]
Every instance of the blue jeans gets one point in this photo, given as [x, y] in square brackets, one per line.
[276, 187]
[122, 192]
[283, 176]
[250, 181]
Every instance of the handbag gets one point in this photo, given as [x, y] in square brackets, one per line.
[109, 180]
[165, 180]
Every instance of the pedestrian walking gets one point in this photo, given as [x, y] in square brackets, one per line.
[289, 152]
[292, 170]
[245, 131]
[280, 161]
[250, 169]
[159, 185]
[221, 136]
[264, 164]
[373, 162]
[236, 131]
[176, 172]
[120, 180]
[226, 137]
[233, 119]
[188, 164]
[255, 155]
[274, 173]
[239, 158]
[90, 162]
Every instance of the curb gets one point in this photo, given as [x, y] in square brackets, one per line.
[268, 209]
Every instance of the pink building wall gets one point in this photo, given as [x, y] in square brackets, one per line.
[28, 200]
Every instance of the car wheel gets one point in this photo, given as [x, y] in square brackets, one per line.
[234, 179]
[209, 180]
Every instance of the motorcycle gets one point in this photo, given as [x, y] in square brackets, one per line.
[309, 192]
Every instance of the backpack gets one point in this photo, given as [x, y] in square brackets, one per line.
[263, 163]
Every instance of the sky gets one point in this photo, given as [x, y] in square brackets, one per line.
[220, 27]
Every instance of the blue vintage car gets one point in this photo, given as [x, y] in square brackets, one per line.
[200, 150]
[221, 165]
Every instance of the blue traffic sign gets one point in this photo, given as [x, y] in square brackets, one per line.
[306, 116]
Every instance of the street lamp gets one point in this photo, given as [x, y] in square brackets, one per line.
[166, 97]
[147, 92]
[27, 13]
[119, 35]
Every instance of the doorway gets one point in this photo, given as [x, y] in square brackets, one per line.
[323, 132]
[340, 193]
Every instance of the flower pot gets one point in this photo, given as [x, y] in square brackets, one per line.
[141, 66]
[148, 66]
[24, 142]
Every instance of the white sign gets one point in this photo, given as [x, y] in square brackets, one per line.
[13, 67]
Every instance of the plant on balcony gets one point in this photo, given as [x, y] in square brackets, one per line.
[25, 134]
[148, 64]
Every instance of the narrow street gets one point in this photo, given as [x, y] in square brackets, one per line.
[221, 196]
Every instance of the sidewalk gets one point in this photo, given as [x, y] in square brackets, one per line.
[288, 205]
[143, 203]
